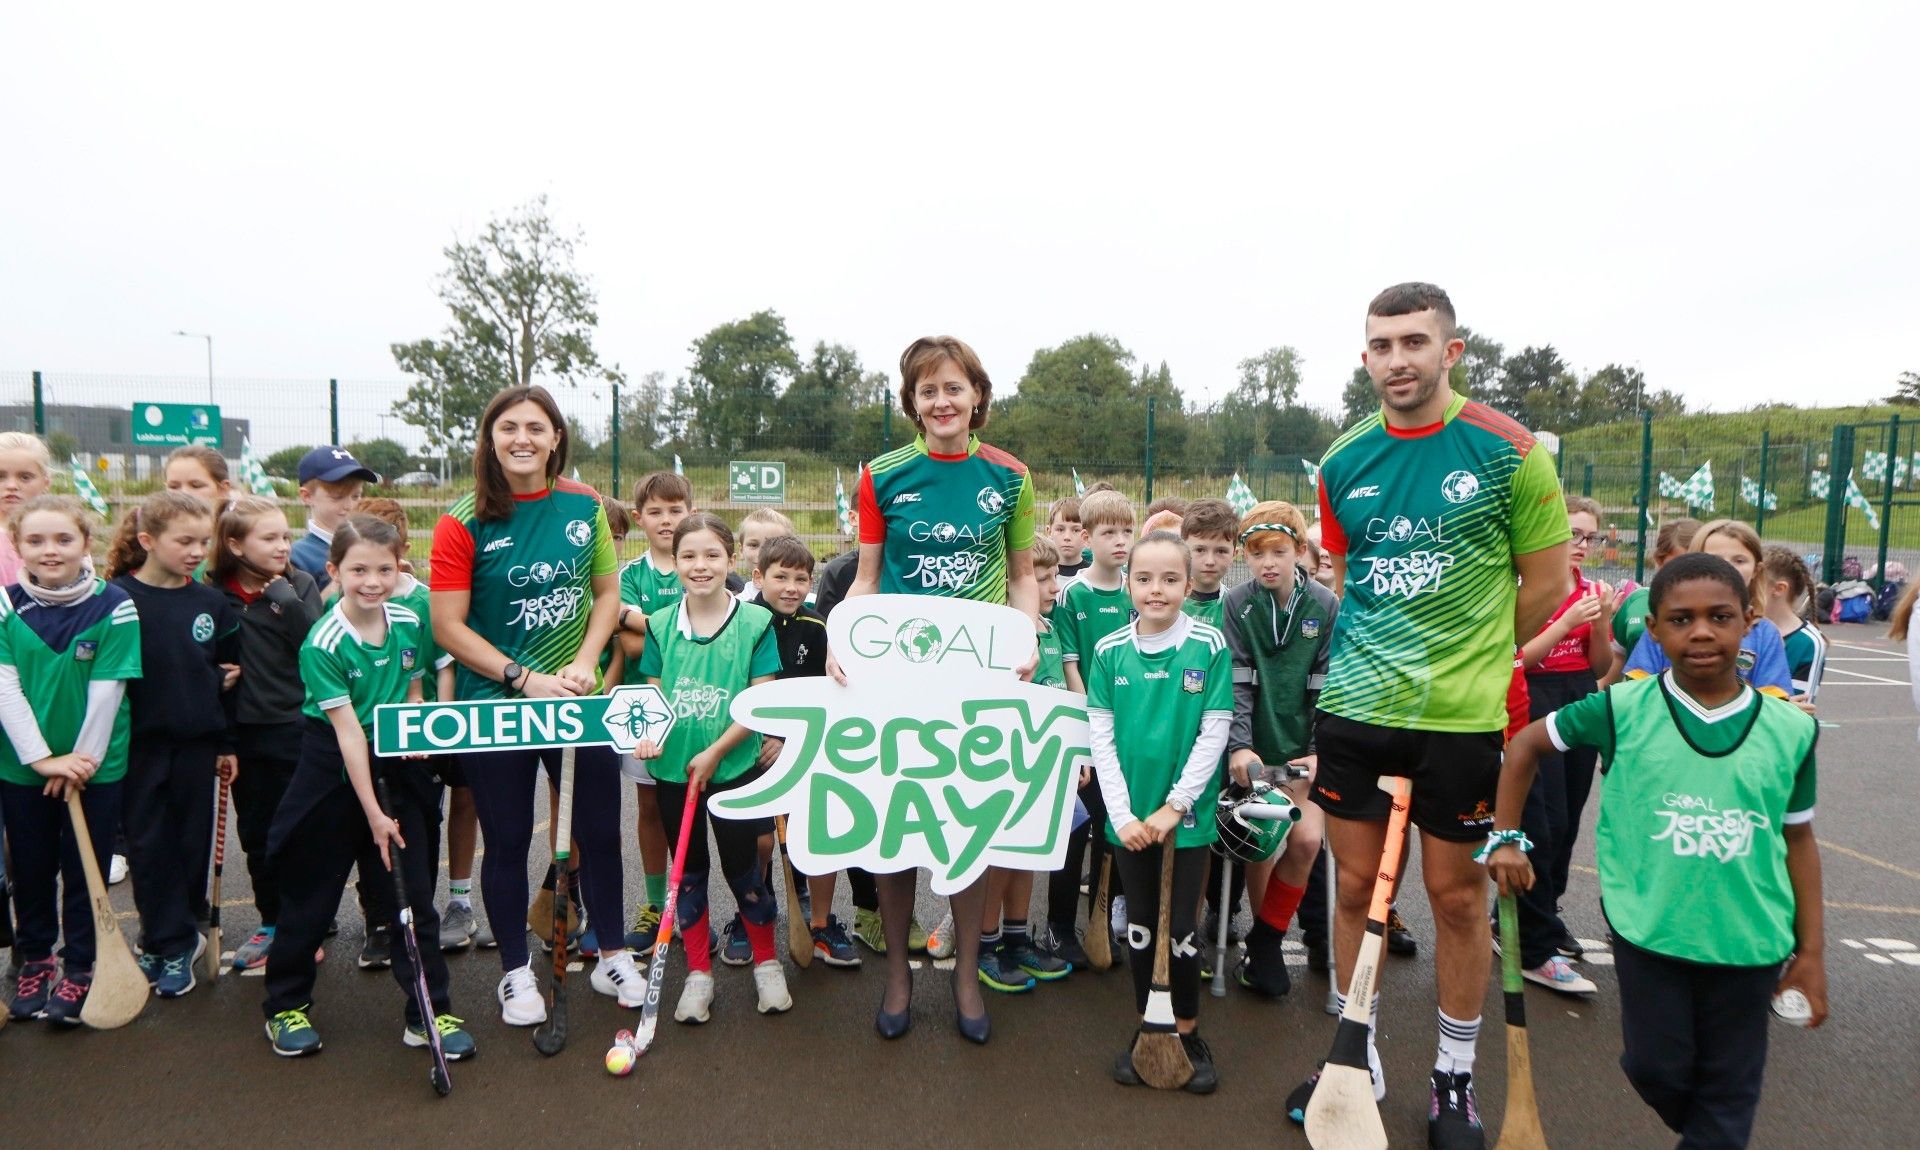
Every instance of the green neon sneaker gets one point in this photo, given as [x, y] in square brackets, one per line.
[293, 1034]
[456, 1042]
[866, 928]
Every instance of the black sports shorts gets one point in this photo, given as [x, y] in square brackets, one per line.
[1455, 775]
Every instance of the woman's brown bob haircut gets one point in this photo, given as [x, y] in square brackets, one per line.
[492, 500]
[929, 352]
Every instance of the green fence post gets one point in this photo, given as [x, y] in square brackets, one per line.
[613, 428]
[1760, 514]
[1886, 500]
[1646, 494]
[1150, 449]
[1839, 468]
[39, 406]
[333, 410]
[1586, 483]
[886, 430]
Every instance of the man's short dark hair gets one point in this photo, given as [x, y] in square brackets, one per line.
[1210, 517]
[1687, 567]
[1408, 298]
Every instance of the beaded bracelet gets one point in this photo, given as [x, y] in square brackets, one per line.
[1498, 839]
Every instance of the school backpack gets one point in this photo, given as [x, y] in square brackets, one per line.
[1850, 568]
[1889, 595]
[1852, 601]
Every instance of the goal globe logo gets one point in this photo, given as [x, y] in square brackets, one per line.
[579, 532]
[1460, 486]
[918, 640]
[990, 500]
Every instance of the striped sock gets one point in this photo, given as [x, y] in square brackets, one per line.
[1015, 931]
[1458, 1043]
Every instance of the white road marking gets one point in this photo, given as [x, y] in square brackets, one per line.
[1880, 958]
[1872, 680]
[1891, 944]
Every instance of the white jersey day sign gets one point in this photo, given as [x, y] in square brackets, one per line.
[933, 755]
[619, 719]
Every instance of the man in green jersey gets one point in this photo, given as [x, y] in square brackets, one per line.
[1429, 508]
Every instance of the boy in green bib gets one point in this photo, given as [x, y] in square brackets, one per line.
[1709, 872]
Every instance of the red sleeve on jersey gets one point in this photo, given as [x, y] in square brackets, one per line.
[1332, 539]
[873, 529]
[452, 556]
[1519, 703]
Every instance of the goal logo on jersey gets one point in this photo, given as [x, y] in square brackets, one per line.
[990, 500]
[1460, 486]
[579, 532]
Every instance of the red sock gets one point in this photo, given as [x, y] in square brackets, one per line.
[761, 937]
[1276, 909]
[699, 943]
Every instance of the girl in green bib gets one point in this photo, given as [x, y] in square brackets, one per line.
[1709, 872]
[702, 652]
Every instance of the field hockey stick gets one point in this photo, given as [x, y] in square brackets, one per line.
[423, 998]
[1225, 914]
[799, 928]
[210, 957]
[1159, 1057]
[1520, 1129]
[551, 1038]
[1099, 946]
[1342, 1114]
[120, 990]
[642, 1038]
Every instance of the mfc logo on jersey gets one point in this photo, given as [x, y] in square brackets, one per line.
[1405, 575]
[905, 497]
[1366, 492]
[500, 544]
[1698, 829]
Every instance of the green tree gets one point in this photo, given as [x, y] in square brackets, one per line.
[816, 413]
[646, 414]
[1359, 399]
[1476, 374]
[1536, 387]
[1906, 389]
[739, 370]
[387, 457]
[286, 461]
[1268, 384]
[520, 313]
[1077, 404]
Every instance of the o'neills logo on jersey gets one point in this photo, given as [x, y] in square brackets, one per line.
[933, 755]
[944, 572]
[1405, 575]
[1699, 830]
[549, 610]
[542, 572]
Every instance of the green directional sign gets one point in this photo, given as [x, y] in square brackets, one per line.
[176, 424]
[756, 481]
[620, 719]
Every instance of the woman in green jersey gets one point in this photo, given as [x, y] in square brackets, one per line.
[945, 515]
[525, 595]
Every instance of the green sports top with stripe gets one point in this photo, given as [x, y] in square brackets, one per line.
[1050, 671]
[1691, 839]
[530, 577]
[414, 596]
[947, 521]
[1157, 701]
[1429, 521]
[701, 675]
[647, 587]
[340, 668]
[58, 652]
[1630, 620]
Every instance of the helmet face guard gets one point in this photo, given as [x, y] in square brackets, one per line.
[1249, 836]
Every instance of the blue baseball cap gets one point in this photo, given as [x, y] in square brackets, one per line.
[332, 464]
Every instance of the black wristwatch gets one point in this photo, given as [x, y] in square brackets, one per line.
[512, 674]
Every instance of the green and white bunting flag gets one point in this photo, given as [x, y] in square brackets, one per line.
[1698, 489]
[1240, 496]
[253, 471]
[842, 510]
[1313, 473]
[1079, 488]
[1750, 494]
[84, 488]
[1670, 488]
[1819, 485]
[1855, 498]
[676, 466]
[1873, 465]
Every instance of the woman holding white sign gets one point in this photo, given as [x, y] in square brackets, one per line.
[946, 515]
[525, 595]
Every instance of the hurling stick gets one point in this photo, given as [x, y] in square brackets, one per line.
[437, 1074]
[1520, 1129]
[1159, 1057]
[540, 910]
[551, 1038]
[210, 957]
[119, 990]
[1225, 914]
[799, 927]
[1342, 1114]
[1099, 944]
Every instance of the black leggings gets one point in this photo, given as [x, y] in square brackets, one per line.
[166, 806]
[739, 842]
[50, 898]
[502, 785]
[1140, 881]
[268, 753]
[1086, 847]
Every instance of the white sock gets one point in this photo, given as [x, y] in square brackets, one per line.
[1458, 1042]
[1373, 1052]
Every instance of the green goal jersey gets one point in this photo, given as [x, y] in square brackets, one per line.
[701, 675]
[340, 668]
[947, 522]
[58, 652]
[647, 587]
[1090, 615]
[414, 596]
[1157, 701]
[1429, 521]
[1691, 839]
[529, 577]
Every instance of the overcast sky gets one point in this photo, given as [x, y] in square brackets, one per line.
[1726, 201]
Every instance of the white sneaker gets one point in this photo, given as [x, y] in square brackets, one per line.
[1558, 974]
[520, 1001]
[696, 998]
[616, 976]
[940, 943]
[771, 984]
[116, 870]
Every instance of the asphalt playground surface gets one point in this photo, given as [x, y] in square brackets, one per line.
[199, 1070]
